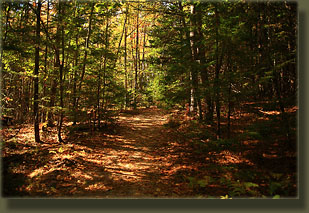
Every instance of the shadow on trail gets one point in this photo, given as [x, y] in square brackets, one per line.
[136, 160]
[143, 159]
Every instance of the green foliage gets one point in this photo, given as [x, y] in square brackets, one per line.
[235, 188]
[243, 188]
[273, 187]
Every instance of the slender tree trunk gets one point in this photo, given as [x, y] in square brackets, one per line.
[86, 53]
[203, 72]
[122, 35]
[216, 86]
[61, 66]
[104, 76]
[53, 91]
[194, 38]
[190, 43]
[75, 83]
[45, 65]
[193, 74]
[137, 59]
[229, 112]
[105, 62]
[132, 69]
[125, 64]
[142, 64]
[276, 80]
[75, 74]
[36, 74]
[98, 96]
[229, 98]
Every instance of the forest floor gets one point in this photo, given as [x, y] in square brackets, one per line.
[152, 153]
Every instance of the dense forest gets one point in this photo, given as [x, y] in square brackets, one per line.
[204, 93]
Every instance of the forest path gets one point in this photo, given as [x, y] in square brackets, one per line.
[139, 160]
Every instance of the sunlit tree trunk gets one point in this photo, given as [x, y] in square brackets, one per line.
[137, 59]
[125, 63]
[195, 37]
[190, 43]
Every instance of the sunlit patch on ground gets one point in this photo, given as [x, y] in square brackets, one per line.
[98, 186]
[270, 112]
[142, 159]
[81, 176]
[270, 155]
[226, 157]
[98, 162]
[36, 172]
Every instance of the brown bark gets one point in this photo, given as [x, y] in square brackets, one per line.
[36, 75]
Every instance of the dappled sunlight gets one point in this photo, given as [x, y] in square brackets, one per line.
[98, 186]
[126, 175]
[36, 172]
[226, 157]
[270, 112]
[81, 176]
[141, 159]
[62, 156]
[95, 161]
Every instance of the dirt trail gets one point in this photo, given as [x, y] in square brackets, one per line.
[140, 158]
[137, 161]
[142, 165]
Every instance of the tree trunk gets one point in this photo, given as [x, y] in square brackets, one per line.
[61, 66]
[189, 38]
[44, 117]
[86, 53]
[75, 83]
[74, 95]
[36, 74]
[125, 64]
[105, 62]
[137, 59]
[216, 85]
[98, 97]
